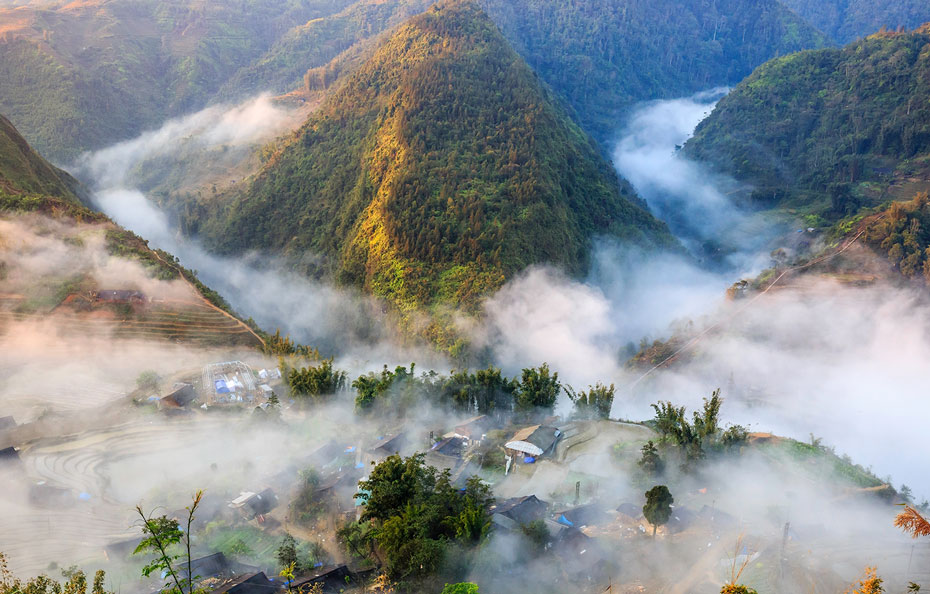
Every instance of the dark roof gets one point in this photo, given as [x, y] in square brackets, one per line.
[631, 509]
[475, 425]
[333, 578]
[390, 443]
[250, 583]
[263, 502]
[216, 565]
[182, 396]
[582, 515]
[522, 510]
[541, 436]
[7, 423]
[9, 455]
[453, 446]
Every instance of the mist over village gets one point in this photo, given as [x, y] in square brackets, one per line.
[464, 296]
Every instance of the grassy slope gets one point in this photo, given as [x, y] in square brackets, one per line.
[816, 130]
[847, 20]
[436, 171]
[29, 183]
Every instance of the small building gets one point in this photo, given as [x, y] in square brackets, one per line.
[216, 566]
[9, 459]
[120, 296]
[254, 505]
[473, 428]
[182, 396]
[591, 514]
[630, 510]
[530, 443]
[333, 578]
[250, 583]
[388, 445]
[518, 511]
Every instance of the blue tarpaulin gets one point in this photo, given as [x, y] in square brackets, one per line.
[221, 387]
[529, 460]
[563, 520]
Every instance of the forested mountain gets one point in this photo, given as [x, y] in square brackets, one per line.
[603, 55]
[828, 130]
[82, 75]
[847, 20]
[437, 170]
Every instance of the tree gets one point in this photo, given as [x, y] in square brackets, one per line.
[595, 403]
[76, 582]
[538, 389]
[161, 535]
[287, 552]
[650, 462]
[658, 508]
[148, 380]
[316, 381]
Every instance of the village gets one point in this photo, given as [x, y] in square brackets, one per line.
[571, 484]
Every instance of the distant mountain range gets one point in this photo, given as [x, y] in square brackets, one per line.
[80, 76]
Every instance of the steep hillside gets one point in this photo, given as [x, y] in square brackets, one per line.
[847, 20]
[82, 75]
[22, 170]
[436, 171]
[602, 55]
[52, 267]
[828, 131]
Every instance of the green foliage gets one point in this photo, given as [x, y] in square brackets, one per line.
[595, 403]
[538, 389]
[275, 344]
[536, 534]
[316, 381]
[162, 537]
[658, 508]
[847, 20]
[436, 171]
[808, 130]
[460, 588]
[651, 462]
[148, 380]
[417, 514]
[76, 582]
[902, 232]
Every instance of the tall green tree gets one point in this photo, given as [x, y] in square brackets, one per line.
[658, 508]
[538, 389]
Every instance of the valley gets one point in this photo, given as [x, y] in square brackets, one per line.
[395, 296]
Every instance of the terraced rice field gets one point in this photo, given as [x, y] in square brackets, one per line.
[188, 322]
[107, 473]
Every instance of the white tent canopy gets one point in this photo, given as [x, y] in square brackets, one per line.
[523, 446]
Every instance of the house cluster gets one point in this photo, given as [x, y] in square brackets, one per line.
[219, 574]
[234, 382]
